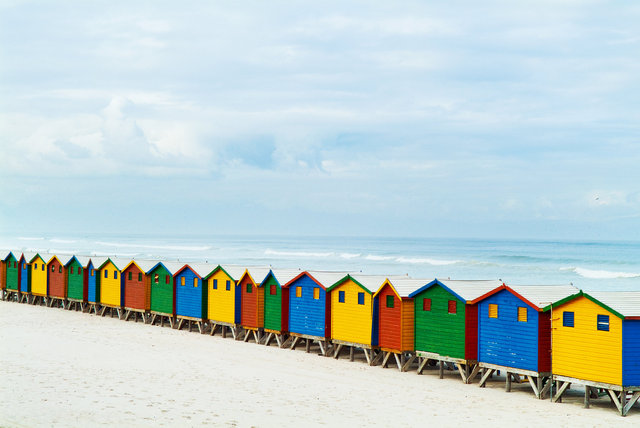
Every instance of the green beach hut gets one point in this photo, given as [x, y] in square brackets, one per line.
[162, 305]
[276, 304]
[76, 279]
[10, 277]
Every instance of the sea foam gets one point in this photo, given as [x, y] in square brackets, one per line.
[602, 274]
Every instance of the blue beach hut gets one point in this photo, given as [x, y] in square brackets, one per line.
[91, 265]
[514, 332]
[191, 294]
[310, 308]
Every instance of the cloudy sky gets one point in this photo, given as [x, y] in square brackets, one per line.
[457, 118]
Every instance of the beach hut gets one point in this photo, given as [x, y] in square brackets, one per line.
[514, 333]
[75, 283]
[24, 272]
[252, 302]
[110, 286]
[191, 295]
[162, 305]
[91, 266]
[137, 289]
[354, 322]
[395, 318]
[446, 324]
[11, 278]
[38, 279]
[310, 309]
[596, 343]
[56, 282]
[223, 299]
[276, 304]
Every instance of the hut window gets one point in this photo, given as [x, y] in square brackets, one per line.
[249, 288]
[42, 267]
[426, 304]
[228, 285]
[390, 301]
[115, 274]
[14, 264]
[273, 290]
[453, 307]
[522, 314]
[60, 269]
[79, 271]
[361, 298]
[35, 266]
[106, 273]
[493, 310]
[215, 284]
[603, 322]
[91, 272]
[316, 293]
[341, 296]
[156, 279]
[166, 279]
[195, 282]
[53, 268]
[567, 319]
[298, 291]
[71, 269]
[139, 277]
[130, 276]
[182, 281]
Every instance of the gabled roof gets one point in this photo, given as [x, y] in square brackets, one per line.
[369, 283]
[232, 271]
[27, 255]
[257, 273]
[71, 259]
[201, 269]
[539, 297]
[403, 287]
[282, 276]
[465, 290]
[35, 256]
[118, 263]
[172, 267]
[96, 261]
[144, 265]
[323, 278]
[5, 255]
[54, 257]
[623, 304]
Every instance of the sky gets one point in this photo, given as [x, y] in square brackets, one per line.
[492, 119]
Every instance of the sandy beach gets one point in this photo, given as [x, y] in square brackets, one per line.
[62, 368]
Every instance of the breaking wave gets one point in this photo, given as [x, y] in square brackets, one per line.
[270, 252]
[160, 247]
[601, 274]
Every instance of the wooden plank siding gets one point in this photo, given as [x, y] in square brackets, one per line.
[137, 293]
[11, 273]
[252, 303]
[408, 325]
[3, 275]
[471, 332]
[221, 301]
[25, 273]
[110, 284]
[75, 280]
[274, 318]
[504, 340]
[390, 321]
[93, 283]
[56, 279]
[582, 351]
[38, 276]
[437, 330]
[161, 290]
[631, 353]
[350, 320]
[308, 315]
[190, 294]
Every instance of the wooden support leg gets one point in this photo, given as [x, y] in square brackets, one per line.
[377, 358]
[534, 386]
[474, 373]
[507, 386]
[385, 360]
[464, 372]
[441, 369]
[368, 354]
[615, 400]
[351, 353]
[421, 365]
[294, 343]
[408, 363]
[563, 387]
[280, 342]
[268, 339]
[587, 396]
[336, 354]
[398, 361]
[485, 377]
[323, 349]
[632, 401]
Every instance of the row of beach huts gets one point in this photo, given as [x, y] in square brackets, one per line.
[550, 337]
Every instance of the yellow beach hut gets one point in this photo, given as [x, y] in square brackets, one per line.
[596, 343]
[223, 299]
[38, 278]
[111, 295]
[353, 313]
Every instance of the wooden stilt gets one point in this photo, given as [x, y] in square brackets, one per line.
[441, 372]
[307, 345]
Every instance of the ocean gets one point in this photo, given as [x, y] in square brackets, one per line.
[588, 265]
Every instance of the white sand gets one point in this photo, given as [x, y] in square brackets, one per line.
[61, 368]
